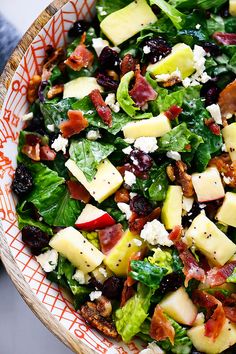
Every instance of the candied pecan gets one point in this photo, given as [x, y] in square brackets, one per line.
[122, 196]
[227, 100]
[55, 91]
[128, 64]
[32, 92]
[33, 152]
[91, 314]
[170, 173]
[183, 178]
[104, 306]
[113, 75]
[226, 167]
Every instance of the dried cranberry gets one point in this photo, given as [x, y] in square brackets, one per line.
[171, 282]
[211, 92]
[112, 287]
[224, 11]
[188, 218]
[95, 283]
[141, 161]
[36, 124]
[23, 181]
[107, 82]
[212, 48]
[78, 28]
[158, 47]
[140, 205]
[156, 9]
[32, 139]
[35, 238]
[109, 59]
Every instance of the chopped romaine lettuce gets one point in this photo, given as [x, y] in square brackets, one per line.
[149, 274]
[123, 97]
[232, 277]
[162, 259]
[174, 15]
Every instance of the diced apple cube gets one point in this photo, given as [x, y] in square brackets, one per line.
[106, 181]
[212, 242]
[153, 127]
[81, 87]
[171, 214]
[125, 23]
[77, 249]
[232, 7]
[179, 306]
[227, 212]
[229, 135]
[226, 338]
[208, 185]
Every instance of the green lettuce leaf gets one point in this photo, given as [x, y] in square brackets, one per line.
[56, 112]
[130, 317]
[202, 4]
[232, 277]
[106, 7]
[123, 97]
[161, 259]
[88, 154]
[149, 274]
[174, 15]
[118, 119]
[110, 206]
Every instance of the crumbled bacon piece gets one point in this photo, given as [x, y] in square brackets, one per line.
[225, 38]
[136, 224]
[229, 304]
[137, 256]
[226, 168]
[173, 112]
[109, 237]
[55, 91]
[122, 196]
[76, 123]
[191, 270]
[81, 57]
[184, 179]
[142, 92]
[32, 151]
[218, 275]
[78, 191]
[128, 64]
[214, 128]
[53, 57]
[127, 293]
[101, 107]
[47, 154]
[227, 101]
[216, 319]
[161, 328]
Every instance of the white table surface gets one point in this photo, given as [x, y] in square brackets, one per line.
[20, 330]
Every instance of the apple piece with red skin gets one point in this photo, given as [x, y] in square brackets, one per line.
[93, 218]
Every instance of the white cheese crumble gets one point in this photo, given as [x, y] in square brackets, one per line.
[198, 26]
[99, 44]
[132, 195]
[48, 260]
[125, 208]
[51, 127]
[167, 77]
[79, 276]
[111, 102]
[146, 144]
[152, 348]
[174, 155]
[116, 49]
[215, 113]
[28, 116]
[94, 295]
[137, 242]
[127, 150]
[93, 135]
[60, 144]
[146, 49]
[187, 203]
[154, 232]
[223, 148]
[103, 272]
[129, 178]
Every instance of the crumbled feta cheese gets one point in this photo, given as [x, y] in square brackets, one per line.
[202, 206]
[187, 203]
[125, 208]
[60, 144]
[229, 115]
[200, 319]
[174, 155]
[152, 348]
[94, 295]
[48, 260]
[132, 195]
[93, 135]
[99, 44]
[167, 77]
[129, 178]
[129, 140]
[223, 148]
[111, 102]
[103, 13]
[146, 144]
[79, 276]
[137, 242]
[116, 49]
[198, 26]
[103, 272]
[27, 117]
[51, 127]
[215, 113]
[154, 232]
[127, 150]
[146, 49]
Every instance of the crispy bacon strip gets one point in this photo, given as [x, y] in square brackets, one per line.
[161, 328]
[142, 92]
[191, 268]
[76, 123]
[225, 38]
[81, 57]
[128, 64]
[216, 319]
[127, 293]
[136, 224]
[47, 154]
[109, 237]
[218, 275]
[173, 112]
[226, 167]
[78, 191]
[53, 57]
[227, 99]
[101, 107]
[229, 305]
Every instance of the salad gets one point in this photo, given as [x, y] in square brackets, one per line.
[126, 172]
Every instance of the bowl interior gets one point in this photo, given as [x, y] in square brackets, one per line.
[14, 107]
